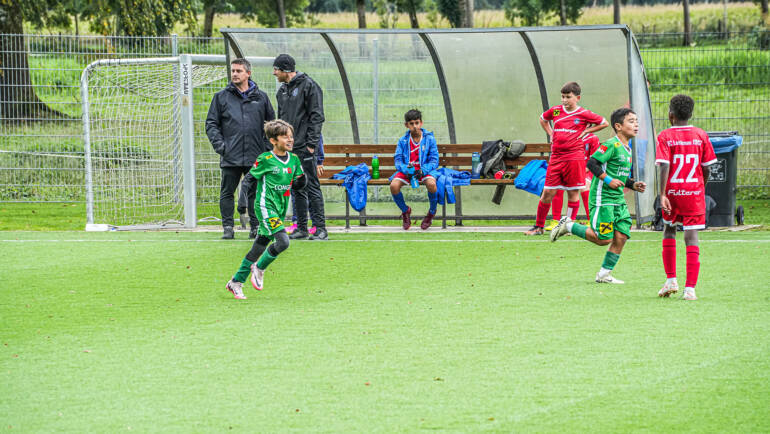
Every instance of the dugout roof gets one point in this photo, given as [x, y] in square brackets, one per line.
[471, 84]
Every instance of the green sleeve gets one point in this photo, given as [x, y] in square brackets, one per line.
[259, 168]
[298, 166]
[605, 152]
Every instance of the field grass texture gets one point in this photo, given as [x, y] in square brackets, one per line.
[383, 333]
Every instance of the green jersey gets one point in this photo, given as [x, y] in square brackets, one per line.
[616, 159]
[274, 175]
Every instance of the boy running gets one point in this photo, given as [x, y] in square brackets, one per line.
[682, 152]
[610, 219]
[276, 173]
[566, 167]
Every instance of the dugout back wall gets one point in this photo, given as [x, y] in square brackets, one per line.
[471, 84]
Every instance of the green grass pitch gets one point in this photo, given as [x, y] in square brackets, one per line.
[116, 332]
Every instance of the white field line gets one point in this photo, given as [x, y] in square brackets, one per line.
[632, 241]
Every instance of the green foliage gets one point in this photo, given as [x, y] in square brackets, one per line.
[432, 13]
[450, 9]
[387, 13]
[139, 17]
[266, 11]
[535, 12]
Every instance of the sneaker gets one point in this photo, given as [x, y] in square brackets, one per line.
[689, 294]
[560, 229]
[236, 288]
[228, 233]
[313, 230]
[253, 232]
[257, 277]
[427, 221]
[668, 289]
[608, 279]
[320, 235]
[290, 230]
[406, 219]
[244, 218]
[553, 224]
[299, 234]
[536, 230]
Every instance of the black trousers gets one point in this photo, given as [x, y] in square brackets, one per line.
[231, 177]
[311, 195]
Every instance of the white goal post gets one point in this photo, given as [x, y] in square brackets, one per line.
[138, 136]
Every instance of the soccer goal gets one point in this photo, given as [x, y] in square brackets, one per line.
[138, 136]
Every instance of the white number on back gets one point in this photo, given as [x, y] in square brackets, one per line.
[692, 160]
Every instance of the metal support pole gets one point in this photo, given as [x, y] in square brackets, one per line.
[376, 90]
[188, 139]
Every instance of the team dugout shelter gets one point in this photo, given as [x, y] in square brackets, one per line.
[472, 85]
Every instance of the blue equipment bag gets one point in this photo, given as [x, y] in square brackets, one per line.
[532, 177]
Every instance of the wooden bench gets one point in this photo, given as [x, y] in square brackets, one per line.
[457, 157]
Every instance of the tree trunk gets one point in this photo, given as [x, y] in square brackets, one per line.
[208, 21]
[361, 10]
[687, 27]
[466, 10]
[413, 16]
[281, 13]
[19, 101]
[763, 8]
[563, 12]
[616, 11]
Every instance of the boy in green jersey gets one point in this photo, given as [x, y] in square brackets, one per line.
[275, 173]
[610, 221]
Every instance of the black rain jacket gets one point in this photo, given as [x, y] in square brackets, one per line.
[300, 103]
[235, 125]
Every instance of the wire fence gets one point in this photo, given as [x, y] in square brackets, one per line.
[41, 146]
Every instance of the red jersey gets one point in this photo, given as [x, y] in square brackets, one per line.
[567, 127]
[591, 143]
[686, 150]
[414, 153]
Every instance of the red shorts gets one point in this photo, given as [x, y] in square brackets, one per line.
[405, 179]
[687, 222]
[566, 175]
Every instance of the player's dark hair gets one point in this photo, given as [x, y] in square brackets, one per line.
[276, 128]
[571, 87]
[681, 107]
[241, 61]
[412, 115]
[618, 116]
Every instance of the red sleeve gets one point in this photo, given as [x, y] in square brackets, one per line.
[662, 154]
[548, 114]
[707, 151]
[591, 117]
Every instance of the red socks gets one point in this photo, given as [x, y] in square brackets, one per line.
[542, 213]
[669, 257]
[557, 205]
[693, 266]
[573, 208]
[584, 195]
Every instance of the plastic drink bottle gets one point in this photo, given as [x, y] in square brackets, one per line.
[475, 165]
[375, 167]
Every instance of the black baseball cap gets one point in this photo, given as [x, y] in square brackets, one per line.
[284, 62]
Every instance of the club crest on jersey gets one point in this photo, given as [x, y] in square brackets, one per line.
[605, 228]
[617, 145]
[295, 92]
[556, 112]
[267, 157]
[577, 121]
[276, 170]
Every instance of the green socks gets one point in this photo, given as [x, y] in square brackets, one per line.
[610, 259]
[265, 260]
[243, 271]
[579, 230]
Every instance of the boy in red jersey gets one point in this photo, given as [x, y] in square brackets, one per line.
[567, 165]
[682, 152]
[591, 143]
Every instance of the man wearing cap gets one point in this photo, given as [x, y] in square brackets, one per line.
[234, 126]
[300, 103]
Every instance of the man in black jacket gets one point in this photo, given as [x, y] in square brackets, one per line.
[234, 126]
[300, 103]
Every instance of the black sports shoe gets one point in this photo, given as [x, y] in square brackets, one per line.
[228, 233]
[320, 235]
[536, 230]
[299, 234]
[253, 233]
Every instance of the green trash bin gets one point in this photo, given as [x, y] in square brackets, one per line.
[722, 178]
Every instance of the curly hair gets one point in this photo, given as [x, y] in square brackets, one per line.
[681, 107]
[276, 128]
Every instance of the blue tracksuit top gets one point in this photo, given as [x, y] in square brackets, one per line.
[428, 153]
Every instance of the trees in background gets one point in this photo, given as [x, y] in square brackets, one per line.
[534, 12]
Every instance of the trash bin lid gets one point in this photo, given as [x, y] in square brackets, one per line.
[725, 141]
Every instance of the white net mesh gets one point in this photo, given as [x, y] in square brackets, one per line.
[136, 142]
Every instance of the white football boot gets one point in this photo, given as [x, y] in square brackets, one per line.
[257, 277]
[236, 288]
[560, 229]
[689, 294]
[608, 279]
[670, 287]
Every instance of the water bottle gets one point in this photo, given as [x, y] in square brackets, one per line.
[415, 183]
[375, 167]
[476, 165]
[412, 179]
